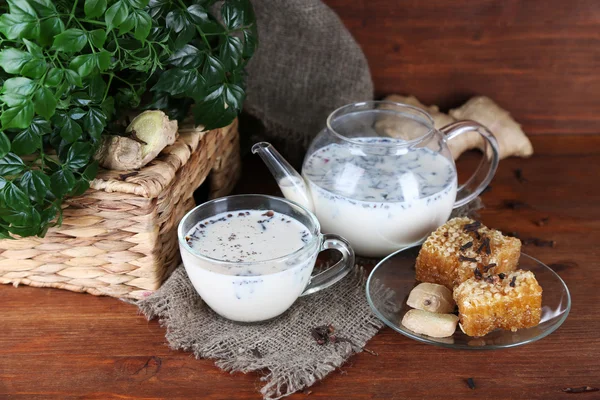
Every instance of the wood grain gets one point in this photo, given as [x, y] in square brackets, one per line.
[58, 344]
[538, 59]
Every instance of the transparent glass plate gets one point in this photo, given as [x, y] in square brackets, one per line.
[393, 278]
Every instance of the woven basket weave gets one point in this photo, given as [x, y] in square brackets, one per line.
[120, 237]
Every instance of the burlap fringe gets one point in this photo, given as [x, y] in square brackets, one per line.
[179, 308]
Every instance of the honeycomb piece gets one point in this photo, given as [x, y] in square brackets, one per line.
[506, 301]
[463, 248]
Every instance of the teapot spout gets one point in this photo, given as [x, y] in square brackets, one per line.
[290, 182]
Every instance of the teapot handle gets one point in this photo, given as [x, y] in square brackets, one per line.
[487, 166]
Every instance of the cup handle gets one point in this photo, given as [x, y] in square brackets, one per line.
[487, 166]
[337, 271]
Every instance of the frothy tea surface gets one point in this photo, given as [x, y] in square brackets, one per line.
[248, 236]
[385, 174]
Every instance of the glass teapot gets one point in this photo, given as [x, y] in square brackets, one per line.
[381, 175]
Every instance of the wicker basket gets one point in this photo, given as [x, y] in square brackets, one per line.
[120, 238]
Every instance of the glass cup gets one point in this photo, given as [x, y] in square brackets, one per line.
[273, 285]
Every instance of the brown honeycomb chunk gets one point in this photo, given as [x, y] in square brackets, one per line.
[463, 248]
[512, 301]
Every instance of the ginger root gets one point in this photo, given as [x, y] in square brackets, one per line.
[155, 131]
[148, 134]
[119, 153]
[512, 141]
[439, 118]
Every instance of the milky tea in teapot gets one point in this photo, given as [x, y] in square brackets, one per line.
[381, 175]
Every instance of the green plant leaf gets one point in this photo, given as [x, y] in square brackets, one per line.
[11, 164]
[20, 86]
[176, 20]
[22, 22]
[49, 28]
[49, 214]
[62, 182]
[156, 8]
[143, 24]
[70, 131]
[34, 69]
[36, 184]
[250, 43]
[127, 25]
[70, 41]
[213, 71]
[26, 142]
[13, 99]
[212, 112]
[236, 13]
[4, 144]
[116, 14]
[187, 57]
[176, 81]
[138, 3]
[79, 155]
[44, 8]
[12, 60]
[97, 37]
[19, 116]
[20, 218]
[198, 15]
[103, 60]
[44, 102]
[84, 64]
[81, 185]
[108, 106]
[94, 122]
[30, 140]
[21, 8]
[185, 36]
[73, 77]
[230, 51]
[54, 77]
[91, 171]
[94, 8]
[76, 113]
[234, 96]
[15, 198]
[33, 49]
[96, 87]
[81, 99]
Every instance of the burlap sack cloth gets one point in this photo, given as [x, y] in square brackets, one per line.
[307, 65]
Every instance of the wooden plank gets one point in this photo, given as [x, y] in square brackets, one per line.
[58, 344]
[538, 59]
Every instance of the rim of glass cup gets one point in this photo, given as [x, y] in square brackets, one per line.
[181, 235]
[429, 123]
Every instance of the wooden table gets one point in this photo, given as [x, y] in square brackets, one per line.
[58, 344]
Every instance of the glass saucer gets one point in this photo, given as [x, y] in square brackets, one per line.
[393, 278]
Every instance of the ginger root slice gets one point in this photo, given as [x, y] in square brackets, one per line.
[430, 324]
[512, 141]
[148, 134]
[119, 153]
[154, 131]
[431, 297]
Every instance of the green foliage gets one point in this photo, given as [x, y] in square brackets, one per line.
[69, 68]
